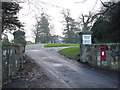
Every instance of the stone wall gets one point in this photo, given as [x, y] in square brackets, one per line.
[12, 60]
[91, 54]
[0, 65]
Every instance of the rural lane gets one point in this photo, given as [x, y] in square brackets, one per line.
[66, 73]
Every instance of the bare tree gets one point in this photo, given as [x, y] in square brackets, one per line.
[86, 21]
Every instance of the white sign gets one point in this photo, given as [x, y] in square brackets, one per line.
[86, 39]
[102, 53]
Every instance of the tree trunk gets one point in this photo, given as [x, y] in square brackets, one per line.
[0, 36]
[0, 30]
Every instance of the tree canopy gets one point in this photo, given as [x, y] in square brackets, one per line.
[42, 30]
[9, 18]
[70, 28]
[107, 27]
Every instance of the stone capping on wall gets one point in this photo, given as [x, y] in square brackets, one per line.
[91, 54]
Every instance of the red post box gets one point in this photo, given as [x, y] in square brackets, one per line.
[103, 53]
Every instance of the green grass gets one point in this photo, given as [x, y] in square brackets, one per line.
[6, 43]
[72, 52]
[32, 43]
[60, 45]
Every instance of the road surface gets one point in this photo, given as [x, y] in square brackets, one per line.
[66, 73]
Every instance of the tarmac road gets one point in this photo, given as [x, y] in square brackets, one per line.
[66, 73]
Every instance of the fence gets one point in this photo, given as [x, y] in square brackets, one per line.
[91, 54]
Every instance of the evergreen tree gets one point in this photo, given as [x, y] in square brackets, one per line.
[42, 30]
[70, 28]
[107, 27]
[9, 18]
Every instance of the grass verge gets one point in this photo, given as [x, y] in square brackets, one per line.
[72, 53]
[60, 45]
[32, 43]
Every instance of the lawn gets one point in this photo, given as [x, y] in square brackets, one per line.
[32, 43]
[72, 52]
[60, 45]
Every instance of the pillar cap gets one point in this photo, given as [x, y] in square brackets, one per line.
[19, 32]
[85, 32]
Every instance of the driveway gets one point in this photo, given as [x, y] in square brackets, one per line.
[66, 73]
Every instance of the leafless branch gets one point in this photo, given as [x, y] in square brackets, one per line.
[94, 5]
[83, 19]
[81, 1]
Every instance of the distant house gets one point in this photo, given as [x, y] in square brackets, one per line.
[61, 40]
[56, 39]
[29, 42]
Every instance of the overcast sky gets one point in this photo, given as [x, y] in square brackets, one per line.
[54, 9]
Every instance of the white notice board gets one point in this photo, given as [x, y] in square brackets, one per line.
[86, 39]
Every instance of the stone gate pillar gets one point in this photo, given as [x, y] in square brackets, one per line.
[19, 37]
[85, 39]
